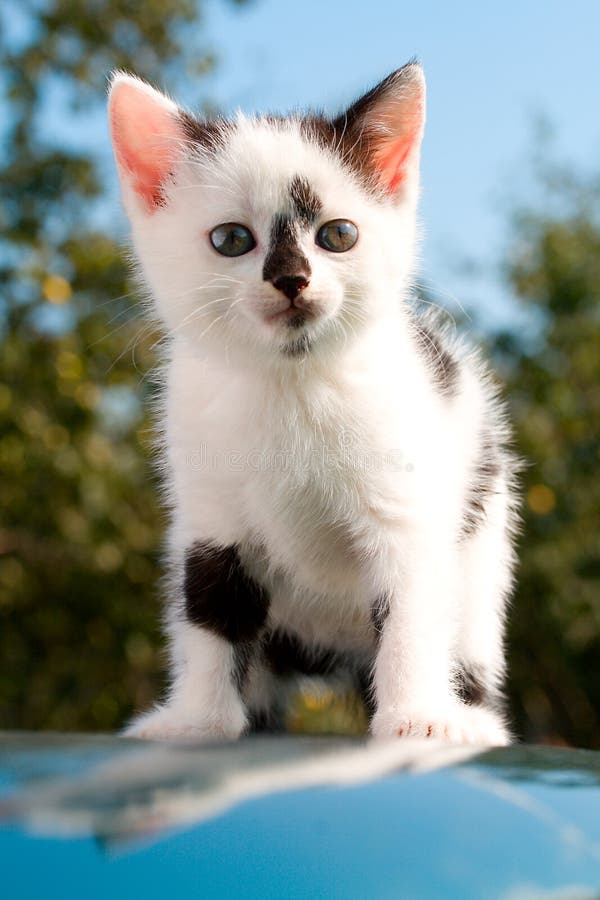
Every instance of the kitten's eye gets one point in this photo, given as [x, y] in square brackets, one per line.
[338, 235]
[232, 239]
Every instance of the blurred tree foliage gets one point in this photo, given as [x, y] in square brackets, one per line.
[553, 384]
[79, 524]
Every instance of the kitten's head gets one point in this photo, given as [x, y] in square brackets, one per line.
[285, 234]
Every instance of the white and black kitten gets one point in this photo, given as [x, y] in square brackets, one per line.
[337, 465]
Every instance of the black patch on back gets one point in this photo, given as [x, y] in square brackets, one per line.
[379, 613]
[305, 203]
[485, 474]
[444, 368]
[220, 596]
[285, 654]
[284, 256]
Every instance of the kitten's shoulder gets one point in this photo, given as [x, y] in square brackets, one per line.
[457, 366]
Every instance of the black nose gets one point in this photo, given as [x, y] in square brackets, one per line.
[291, 285]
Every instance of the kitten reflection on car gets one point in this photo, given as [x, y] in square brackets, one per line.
[280, 255]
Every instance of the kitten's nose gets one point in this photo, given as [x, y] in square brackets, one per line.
[291, 285]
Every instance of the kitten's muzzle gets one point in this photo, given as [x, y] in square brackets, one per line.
[291, 285]
[298, 307]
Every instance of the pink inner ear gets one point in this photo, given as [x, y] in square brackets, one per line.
[146, 137]
[396, 152]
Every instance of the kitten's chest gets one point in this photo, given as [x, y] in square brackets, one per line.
[320, 471]
[303, 470]
[305, 443]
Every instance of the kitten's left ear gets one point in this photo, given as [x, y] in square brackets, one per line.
[385, 128]
[147, 136]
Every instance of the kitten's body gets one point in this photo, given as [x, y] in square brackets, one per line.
[339, 478]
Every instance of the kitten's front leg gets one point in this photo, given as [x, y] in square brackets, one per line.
[417, 620]
[213, 632]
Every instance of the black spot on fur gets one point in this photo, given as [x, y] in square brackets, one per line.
[483, 481]
[243, 654]
[284, 257]
[220, 596]
[305, 202]
[297, 348]
[296, 321]
[320, 130]
[207, 134]
[365, 689]
[342, 138]
[261, 721]
[379, 613]
[285, 265]
[349, 135]
[285, 654]
[472, 689]
[444, 368]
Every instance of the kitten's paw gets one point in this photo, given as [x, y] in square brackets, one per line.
[166, 724]
[457, 724]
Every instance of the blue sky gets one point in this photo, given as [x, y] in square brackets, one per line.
[492, 69]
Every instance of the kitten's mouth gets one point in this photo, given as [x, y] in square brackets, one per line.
[291, 317]
[296, 321]
[296, 342]
[300, 345]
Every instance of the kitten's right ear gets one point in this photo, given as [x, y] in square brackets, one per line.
[146, 134]
[383, 129]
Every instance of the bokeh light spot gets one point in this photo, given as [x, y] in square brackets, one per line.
[139, 651]
[56, 289]
[541, 499]
[108, 557]
[87, 395]
[69, 365]
[55, 437]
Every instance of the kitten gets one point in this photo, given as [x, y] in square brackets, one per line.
[337, 465]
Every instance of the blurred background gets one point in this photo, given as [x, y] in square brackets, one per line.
[511, 248]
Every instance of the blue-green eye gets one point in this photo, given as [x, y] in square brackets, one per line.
[337, 236]
[232, 239]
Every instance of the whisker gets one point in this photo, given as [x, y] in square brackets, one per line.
[116, 299]
[146, 328]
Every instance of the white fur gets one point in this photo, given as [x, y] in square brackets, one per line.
[346, 467]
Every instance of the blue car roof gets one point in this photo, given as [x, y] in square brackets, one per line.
[296, 817]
